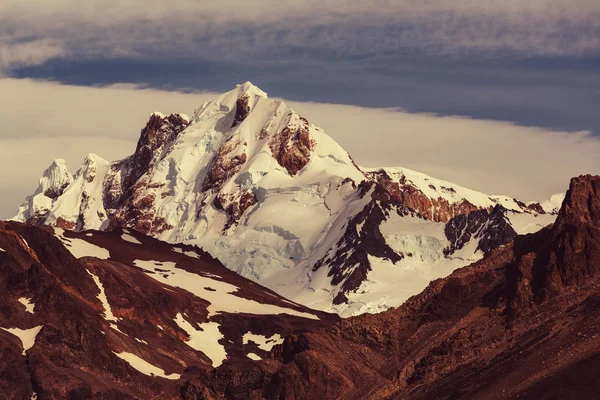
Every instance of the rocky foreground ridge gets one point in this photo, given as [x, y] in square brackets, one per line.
[123, 316]
[118, 315]
[524, 322]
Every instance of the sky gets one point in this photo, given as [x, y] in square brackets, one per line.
[499, 96]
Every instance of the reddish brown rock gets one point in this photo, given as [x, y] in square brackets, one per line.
[235, 206]
[491, 228]
[242, 109]
[73, 356]
[438, 210]
[152, 146]
[224, 165]
[292, 147]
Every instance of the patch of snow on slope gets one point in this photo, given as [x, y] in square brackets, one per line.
[80, 248]
[108, 315]
[254, 357]
[144, 366]
[2, 250]
[261, 341]
[27, 336]
[553, 204]
[222, 297]
[25, 242]
[524, 223]
[128, 238]
[206, 339]
[29, 306]
[192, 254]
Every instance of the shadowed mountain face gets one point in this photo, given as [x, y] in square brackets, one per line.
[120, 315]
[524, 322]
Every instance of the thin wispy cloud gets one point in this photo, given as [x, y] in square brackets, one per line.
[33, 52]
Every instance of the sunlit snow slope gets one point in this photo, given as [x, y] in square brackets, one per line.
[280, 202]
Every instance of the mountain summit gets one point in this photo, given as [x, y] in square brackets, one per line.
[280, 202]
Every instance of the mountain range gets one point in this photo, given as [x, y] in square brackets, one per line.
[242, 254]
[279, 202]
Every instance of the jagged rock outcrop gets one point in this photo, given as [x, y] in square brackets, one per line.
[492, 229]
[293, 146]
[126, 193]
[438, 209]
[349, 265]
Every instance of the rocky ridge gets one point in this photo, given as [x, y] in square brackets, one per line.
[121, 315]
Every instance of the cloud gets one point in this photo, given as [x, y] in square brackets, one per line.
[268, 31]
[40, 121]
[24, 54]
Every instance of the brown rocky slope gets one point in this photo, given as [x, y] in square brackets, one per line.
[100, 326]
[524, 322]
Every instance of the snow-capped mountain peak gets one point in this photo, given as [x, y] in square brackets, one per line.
[279, 201]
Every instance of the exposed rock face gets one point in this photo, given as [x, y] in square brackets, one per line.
[575, 241]
[129, 195]
[349, 265]
[292, 147]
[159, 132]
[492, 229]
[100, 326]
[436, 209]
[154, 141]
[242, 109]
[524, 322]
[224, 165]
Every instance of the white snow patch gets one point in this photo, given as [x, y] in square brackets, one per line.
[26, 244]
[2, 250]
[554, 203]
[141, 341]
[80, 248]
[254, 357]
[189, 253]
[222, 297]
[29, 306]
[205, 340]
[128, 238]
[144, 366]
[261, 341]
[524, 223]
[27, 336]
[108, 315]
